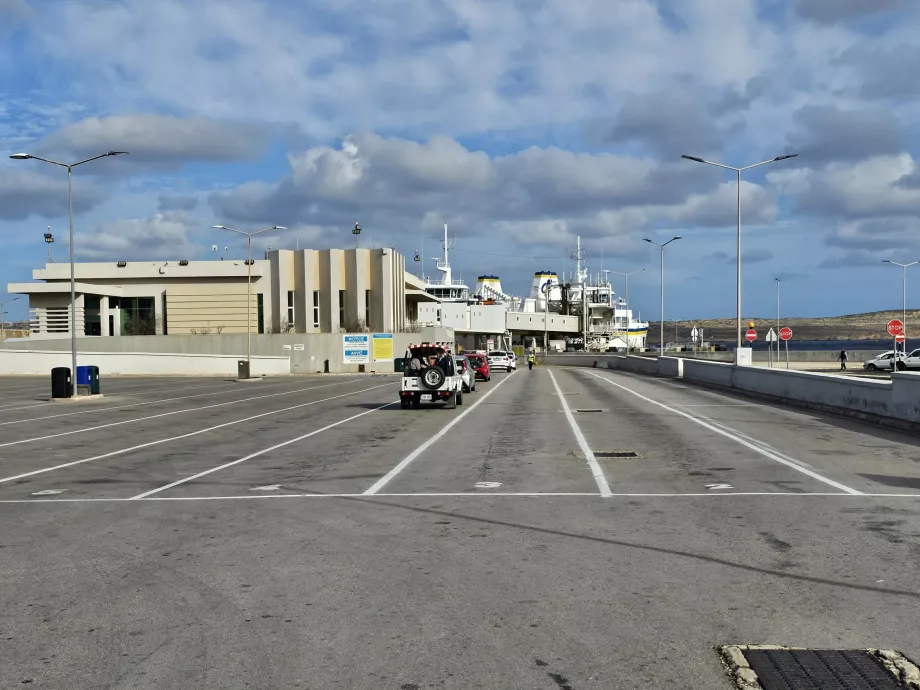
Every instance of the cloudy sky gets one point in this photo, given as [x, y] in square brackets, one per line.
[523, 123]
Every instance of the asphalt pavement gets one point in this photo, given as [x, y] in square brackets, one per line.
[563, 528]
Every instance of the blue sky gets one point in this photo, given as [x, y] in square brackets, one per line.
[522, 123]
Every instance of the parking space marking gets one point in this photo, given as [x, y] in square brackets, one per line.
[162, 400]
[728, 432]
[177, 438]
[602, 486]
[261, 452]
[385, 479]
[164, 414]
[477, 495]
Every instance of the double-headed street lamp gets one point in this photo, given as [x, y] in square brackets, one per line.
[903, 293]
[661, 247]
[626, 276]
[73, 291]
[739, 171]
[249, 236]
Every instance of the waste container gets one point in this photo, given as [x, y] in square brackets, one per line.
[242, 369]
[88, 380]
[61, 386]
[399, 364]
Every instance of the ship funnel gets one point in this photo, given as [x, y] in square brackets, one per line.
[489, 287]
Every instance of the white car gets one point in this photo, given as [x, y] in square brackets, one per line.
[466, 373]
[438, 383]
[883, 361]
[499, 359]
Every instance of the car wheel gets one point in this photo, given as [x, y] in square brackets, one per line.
[416, 403]
[872, 367]
[405, 403]
[901, 366]
[458, 399]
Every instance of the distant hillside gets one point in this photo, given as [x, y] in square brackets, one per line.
[850, 327]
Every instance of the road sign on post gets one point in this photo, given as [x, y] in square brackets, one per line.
[785, 333]
[900, 338]
[896, 327]
[771, 336]
[751, 335]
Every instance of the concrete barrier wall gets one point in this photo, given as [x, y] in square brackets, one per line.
[640, 365]
[138, 363]
[714, 373]
[672, 367]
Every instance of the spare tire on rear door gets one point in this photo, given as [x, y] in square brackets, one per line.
[432, 378]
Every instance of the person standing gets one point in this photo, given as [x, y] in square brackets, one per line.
[531, 358]
[843, 359]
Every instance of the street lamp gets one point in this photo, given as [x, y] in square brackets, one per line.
[903, 293]
[73, 291]
[49, 240]
[545, 290]
[249, 236]
[661, 247]
[2, 312]
[777, 320]
[626, 276]
[739, 171]
[356, 231]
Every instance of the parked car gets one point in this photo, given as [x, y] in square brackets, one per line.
[466, 373]
[480, 364]
[432, 383]
[882, 361]
[499, 359]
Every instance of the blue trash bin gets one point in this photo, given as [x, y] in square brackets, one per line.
[85, 380]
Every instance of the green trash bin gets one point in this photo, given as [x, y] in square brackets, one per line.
[399, 364]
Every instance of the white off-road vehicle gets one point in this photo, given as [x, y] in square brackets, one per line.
[428, 383]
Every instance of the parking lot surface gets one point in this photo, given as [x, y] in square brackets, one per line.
[563, 528]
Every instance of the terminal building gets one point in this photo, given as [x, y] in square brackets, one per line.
[292, 291]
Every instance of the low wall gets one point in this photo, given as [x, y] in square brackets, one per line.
[892, 403]
[138, 363]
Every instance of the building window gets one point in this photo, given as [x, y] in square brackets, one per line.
[316, 309]
[367, 308]
[341, 308]
[290, 313]
[260, 306]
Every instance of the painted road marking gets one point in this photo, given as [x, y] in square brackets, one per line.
[270, 487]
[385, 479]
[162, 414]
[101, 408]
[596, 470]
[488, 485]
[176, 438]
[742, 494]
[49, 492]
[262, 452]
[718, 487]
[736, 436]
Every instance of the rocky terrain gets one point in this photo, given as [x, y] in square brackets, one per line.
[869, 326]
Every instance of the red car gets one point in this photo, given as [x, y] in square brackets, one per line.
[480, 364]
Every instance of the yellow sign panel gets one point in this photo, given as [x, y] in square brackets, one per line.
[383, 347]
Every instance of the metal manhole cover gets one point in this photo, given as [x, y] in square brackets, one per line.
[776, 668]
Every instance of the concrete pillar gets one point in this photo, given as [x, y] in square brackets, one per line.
[104, 315]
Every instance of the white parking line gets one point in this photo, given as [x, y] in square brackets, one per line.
[728, 432]
[385, 479]
[101, 408]
[162, 414]
[602, 486]
[177, 438]
[261, 452]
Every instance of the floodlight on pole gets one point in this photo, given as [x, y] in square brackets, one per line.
[626, 276]
[661, 318]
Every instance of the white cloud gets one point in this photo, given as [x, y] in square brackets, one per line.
[163, 236]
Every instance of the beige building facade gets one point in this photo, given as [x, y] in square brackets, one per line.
[291, 291]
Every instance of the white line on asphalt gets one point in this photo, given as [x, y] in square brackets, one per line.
[385, 479]
[764, 494]
[236, 389]
[177, 438]
[736, 436]
[261, 452]
[596, 470]
[162, 414]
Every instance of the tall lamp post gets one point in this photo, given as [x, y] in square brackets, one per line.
[49, 240]
[356, 231]
[903, 293]
[545, 290]
[3, 303]
[661, 247]
[777, 320]
[249, 236]
[626, 276]
[73, 291]
[738, 171]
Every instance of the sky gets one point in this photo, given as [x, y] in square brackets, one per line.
[523, 124]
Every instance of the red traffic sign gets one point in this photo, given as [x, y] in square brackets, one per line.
[751, 335]
[785, 333]
[900, 338]
[896, 327]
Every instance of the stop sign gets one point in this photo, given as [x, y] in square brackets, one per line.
[751, 335]
[895, 327]
[785, 333]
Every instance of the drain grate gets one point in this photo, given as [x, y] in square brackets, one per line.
[590, 410]
[815, 669]
[615, 454]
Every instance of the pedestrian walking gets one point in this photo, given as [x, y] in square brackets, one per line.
[843, 359]
[531, 358]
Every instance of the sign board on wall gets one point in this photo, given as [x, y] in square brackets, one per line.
[285, 347]
[383, 347]
[357, 348]
[299, 347]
